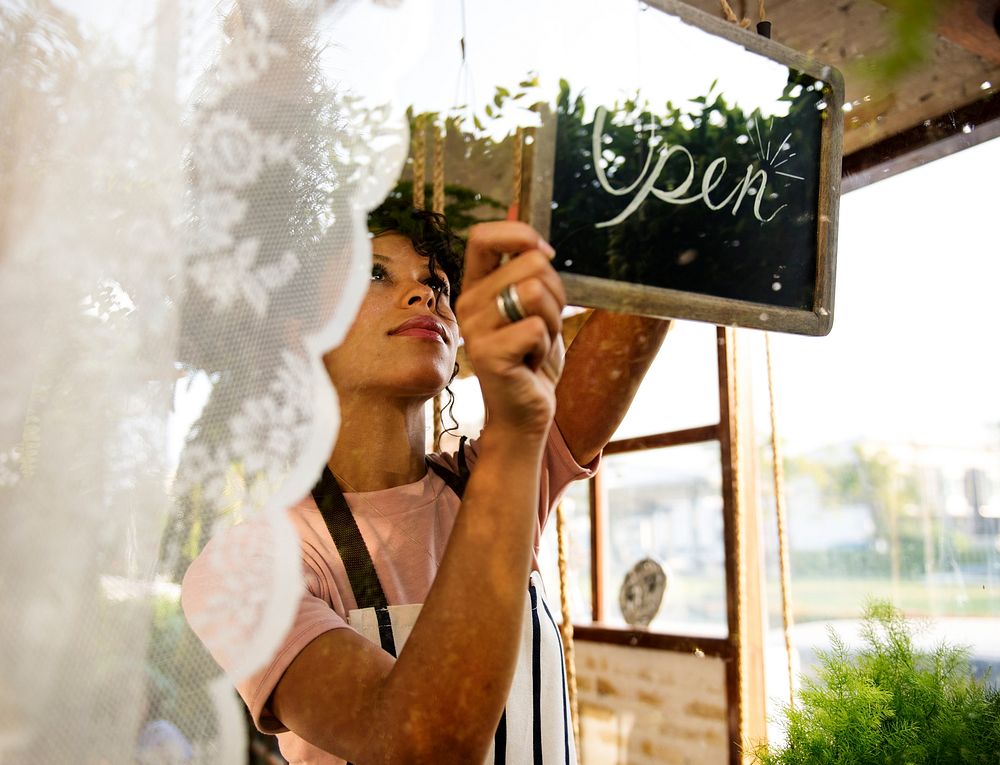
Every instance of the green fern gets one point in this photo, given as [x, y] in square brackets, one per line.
[890, 704]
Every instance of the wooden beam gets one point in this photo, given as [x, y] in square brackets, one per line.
[741, 532]
[730, 496]
[934, 138]
[701, 646]
[662, 440]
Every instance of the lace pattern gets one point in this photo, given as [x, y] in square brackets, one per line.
[182, 198]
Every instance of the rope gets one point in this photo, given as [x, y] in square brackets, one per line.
[518, 169]
[779, 505]
[419, 161]
[567, 623]
[437, 205]
[730, 14]
[739, 564]
[437, 180]
[438, 419]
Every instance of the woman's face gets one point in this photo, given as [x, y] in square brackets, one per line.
[404, 339]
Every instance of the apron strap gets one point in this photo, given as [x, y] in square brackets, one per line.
[350, 544]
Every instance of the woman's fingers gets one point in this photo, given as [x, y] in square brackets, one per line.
[552, 365]
[535, 298]
[513, 346]
[532, 275]
[531, 264]
[489, 242]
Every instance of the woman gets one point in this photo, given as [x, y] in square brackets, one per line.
[390, 526]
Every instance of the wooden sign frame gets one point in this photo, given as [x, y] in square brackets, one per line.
[672, 303]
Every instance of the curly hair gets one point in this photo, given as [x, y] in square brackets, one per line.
[430, 234]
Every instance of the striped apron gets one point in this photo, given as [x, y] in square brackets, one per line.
[535, 727]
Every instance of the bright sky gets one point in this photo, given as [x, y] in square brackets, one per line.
[611, 46]
[914, 351]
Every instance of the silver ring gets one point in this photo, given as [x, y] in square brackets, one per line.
[509, 304]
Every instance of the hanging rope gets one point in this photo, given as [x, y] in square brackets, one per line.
[437, 205]
[779, 506]
[438, 420]
[567, 623]
[518, 165]
[419, 161]
[730, 14]
[437, 177]
[764, 29]
[739, 562]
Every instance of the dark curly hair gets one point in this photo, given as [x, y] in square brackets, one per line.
[430, 234]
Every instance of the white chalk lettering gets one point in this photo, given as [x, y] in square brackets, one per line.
[645, 184]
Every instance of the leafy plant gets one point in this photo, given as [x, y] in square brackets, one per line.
[890, 703]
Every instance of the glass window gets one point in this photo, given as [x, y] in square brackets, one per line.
[666, 504]
[891, 424]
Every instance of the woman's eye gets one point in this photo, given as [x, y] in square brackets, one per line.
[379, 273]
[439, 286]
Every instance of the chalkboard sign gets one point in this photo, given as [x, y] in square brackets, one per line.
[719, 205]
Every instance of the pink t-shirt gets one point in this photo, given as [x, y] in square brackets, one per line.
[405, 529]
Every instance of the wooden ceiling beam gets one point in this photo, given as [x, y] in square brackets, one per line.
[935, 138]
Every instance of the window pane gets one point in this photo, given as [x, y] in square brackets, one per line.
[891, 424]
[666, 504]
[681, 388]
[576, 504]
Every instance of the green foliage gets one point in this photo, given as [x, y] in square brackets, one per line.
[727, 253]
[912, 38]
[175, 672]
[462, 206]
[890, 703]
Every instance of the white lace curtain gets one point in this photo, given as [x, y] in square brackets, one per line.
[183, 196]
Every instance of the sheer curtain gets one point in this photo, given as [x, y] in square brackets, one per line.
[183, 192]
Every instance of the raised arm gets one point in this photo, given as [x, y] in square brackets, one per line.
[604, 365]
[441, 700]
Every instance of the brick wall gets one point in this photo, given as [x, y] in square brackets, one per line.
[643, 706]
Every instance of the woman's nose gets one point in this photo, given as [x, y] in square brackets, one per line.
[420, 293]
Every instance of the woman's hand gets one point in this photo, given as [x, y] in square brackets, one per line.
[518, 363]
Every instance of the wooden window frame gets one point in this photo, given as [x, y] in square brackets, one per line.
[744, 644]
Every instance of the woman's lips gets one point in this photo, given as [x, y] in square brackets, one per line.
[423, 327]
[429, 334]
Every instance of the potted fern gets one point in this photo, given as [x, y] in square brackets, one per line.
[890, 703]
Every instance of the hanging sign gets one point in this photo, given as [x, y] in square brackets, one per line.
[704, 185]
